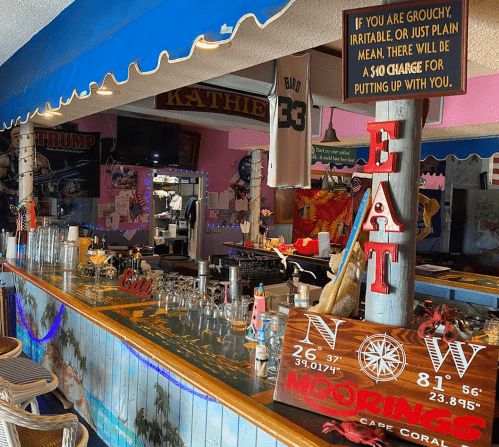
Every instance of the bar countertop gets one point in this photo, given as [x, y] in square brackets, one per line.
[206, 354]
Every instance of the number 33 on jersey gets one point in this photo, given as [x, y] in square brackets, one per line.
[290, 101]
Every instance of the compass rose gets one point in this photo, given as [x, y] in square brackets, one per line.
[381, 357]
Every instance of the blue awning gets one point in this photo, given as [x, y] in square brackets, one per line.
[461, 149]
[92, 38]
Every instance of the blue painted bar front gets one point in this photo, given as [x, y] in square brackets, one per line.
[135, 399]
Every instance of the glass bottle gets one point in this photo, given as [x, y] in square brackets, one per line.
[94, 245]
[103, 243]
[137, 260]
[118, 263]
[129, 261]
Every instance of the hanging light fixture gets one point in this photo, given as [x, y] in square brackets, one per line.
[330, 135]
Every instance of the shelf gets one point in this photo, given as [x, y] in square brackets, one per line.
[311, 259]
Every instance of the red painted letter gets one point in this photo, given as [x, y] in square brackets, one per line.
[379, 285]
[382, 207]
[374, 164]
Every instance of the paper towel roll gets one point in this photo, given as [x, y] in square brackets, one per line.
[73, 234]
[324, 244]
[11, 247]
[172, 230]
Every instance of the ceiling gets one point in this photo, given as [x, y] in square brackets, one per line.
[245, 63]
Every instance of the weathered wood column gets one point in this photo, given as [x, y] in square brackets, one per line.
[26, 163]
[255, 192]
[395, 308]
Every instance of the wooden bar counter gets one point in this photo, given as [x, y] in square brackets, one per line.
[141, 375]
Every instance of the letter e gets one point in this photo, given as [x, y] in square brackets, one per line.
[376, 146]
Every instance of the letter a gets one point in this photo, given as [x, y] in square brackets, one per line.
[382, 207]
[374, 164]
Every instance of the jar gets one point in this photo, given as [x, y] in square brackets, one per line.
[263, 322]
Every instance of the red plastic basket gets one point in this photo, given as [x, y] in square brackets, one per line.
[306, 247]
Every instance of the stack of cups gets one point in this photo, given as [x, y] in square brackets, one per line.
[11, 247]
[324, 244]
[69, 255]
[73, 234]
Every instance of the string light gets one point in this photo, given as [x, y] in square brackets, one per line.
[166, 374]
[222, 226]
[53, 329]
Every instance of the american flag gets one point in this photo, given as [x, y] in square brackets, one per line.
[494, 169]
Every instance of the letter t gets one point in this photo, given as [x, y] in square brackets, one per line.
[379, 285]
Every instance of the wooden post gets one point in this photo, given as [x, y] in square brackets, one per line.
[26, 163]
[255, 191]
[395, 308]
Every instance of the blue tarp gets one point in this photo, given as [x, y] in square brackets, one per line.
[92, 38]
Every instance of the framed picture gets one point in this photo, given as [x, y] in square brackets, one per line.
[189, 149]
[284, 200]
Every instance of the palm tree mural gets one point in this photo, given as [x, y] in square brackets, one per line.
[159, 435]
[64, 336]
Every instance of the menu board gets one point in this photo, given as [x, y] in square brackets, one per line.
[405, 50]
[425, 391]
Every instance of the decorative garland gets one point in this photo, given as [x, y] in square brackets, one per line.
[167, 375]
[51, 333]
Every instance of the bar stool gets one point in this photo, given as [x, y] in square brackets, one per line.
[21, 428]
[27, 380]
[10, 347]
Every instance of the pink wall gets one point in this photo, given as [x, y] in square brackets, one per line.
[215, 158]
[479, 105]
[346, 124]
[221, 162]
[105, 123]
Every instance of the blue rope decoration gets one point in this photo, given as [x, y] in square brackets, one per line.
[167, 375]
[52, 330]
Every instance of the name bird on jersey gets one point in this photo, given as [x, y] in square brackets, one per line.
[290, 101]
[292, 83]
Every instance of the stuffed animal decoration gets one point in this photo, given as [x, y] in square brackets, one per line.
[349, 291]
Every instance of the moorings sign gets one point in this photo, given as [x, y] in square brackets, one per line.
[422, 390]
[405, 50]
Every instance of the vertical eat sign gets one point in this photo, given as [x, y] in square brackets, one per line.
[382, 205]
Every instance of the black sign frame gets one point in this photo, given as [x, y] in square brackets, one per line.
[444, 81]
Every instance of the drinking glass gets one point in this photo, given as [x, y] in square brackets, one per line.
[98, 260]
[491, 328]
[162, 291]
[274, 339]
[237, 313]
[226, 295]
[274, 345]
[213, 286]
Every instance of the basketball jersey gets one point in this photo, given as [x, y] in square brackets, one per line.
[290, 104]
